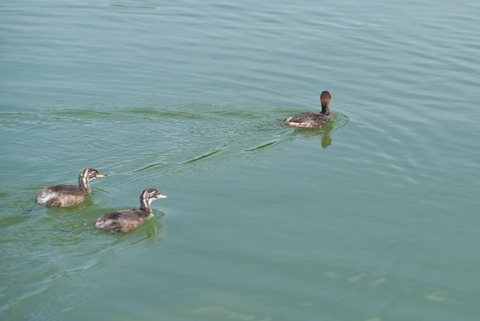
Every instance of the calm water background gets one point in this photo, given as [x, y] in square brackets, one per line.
[374, 218]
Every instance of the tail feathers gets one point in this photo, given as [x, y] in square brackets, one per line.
[43, 197]
[99, 223]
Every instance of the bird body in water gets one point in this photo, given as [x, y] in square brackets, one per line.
[126, 220]
[312, 119]
[68, 195]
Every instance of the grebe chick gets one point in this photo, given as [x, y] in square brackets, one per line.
[126, 220]
[311, 119]
[68, 195]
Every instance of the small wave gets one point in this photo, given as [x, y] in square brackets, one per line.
[262, 146]
[196, 159]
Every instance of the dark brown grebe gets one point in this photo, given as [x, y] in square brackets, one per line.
[68, 195]
[126, 220]
[311, 119]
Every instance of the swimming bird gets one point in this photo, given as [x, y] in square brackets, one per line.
[311, 119]
[126, 220]
[68, 195]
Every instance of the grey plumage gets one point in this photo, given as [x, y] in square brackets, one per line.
[126, 220]
[68, 195]
[311, 119]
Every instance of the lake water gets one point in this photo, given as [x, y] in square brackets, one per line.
[374, 218]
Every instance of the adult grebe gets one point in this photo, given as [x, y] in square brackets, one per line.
[311, 119]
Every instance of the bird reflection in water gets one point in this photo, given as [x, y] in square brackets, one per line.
[324, 133]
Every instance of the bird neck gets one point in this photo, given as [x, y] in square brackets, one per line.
[84, 182]
[325, 109]
[145, 205]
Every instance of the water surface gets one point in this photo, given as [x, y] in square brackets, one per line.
[372, 218]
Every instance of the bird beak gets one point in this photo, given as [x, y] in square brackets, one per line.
[159, 195]
[99, 175]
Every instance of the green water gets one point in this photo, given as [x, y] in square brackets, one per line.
[372, 218]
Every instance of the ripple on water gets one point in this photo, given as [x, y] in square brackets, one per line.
[373, 224]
